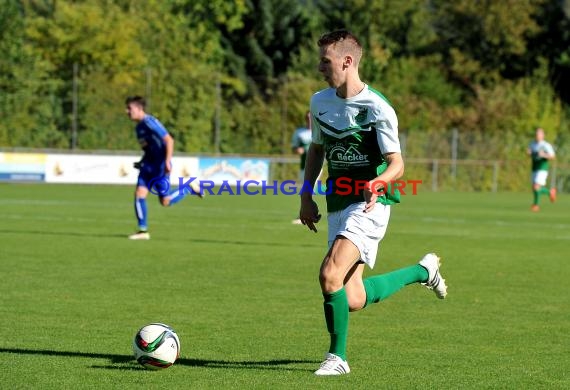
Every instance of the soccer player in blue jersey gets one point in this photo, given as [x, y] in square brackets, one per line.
[356, 129]
[155, 165]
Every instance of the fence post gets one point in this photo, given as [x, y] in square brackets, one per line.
[454, 144]
[553, 178]
[148, 89]
[495, 176]
[434, 172]
[403, 141]
[74, 103]
[217, 114]
[283, 121]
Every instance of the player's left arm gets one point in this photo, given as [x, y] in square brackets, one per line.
[377, 186]
[389, 145]
[169, 142]
[159, 130]
[548, 153]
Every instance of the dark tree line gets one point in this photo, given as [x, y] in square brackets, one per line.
[237, 76]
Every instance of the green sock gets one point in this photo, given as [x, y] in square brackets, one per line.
[541, 191]
[336, 316]
[380, 287]
[536, 197]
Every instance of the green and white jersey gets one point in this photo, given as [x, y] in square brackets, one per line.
[302, 139]
[539, 163]
[355, 134]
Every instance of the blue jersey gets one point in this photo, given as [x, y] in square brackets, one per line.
[150, 134]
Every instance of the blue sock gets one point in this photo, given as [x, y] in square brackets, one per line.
[177, 195]
[140, 212]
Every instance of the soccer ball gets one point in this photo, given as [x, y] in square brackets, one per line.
[156, 346]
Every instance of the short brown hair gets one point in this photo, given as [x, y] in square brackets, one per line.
[139, 100]
[344, 41]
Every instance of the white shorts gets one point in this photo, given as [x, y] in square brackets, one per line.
[365, 230]
[539, 177]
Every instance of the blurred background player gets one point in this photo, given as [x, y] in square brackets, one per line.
[300, 145]
[155, 165]
[541, 152]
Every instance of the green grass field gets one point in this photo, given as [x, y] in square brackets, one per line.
[239, 283]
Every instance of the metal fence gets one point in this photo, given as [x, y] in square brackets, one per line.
[454, 175]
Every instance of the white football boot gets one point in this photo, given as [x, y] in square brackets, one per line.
[140, 236]
[435, 281]
[196, 190]
[333, 365]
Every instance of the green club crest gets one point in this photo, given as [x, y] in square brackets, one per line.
[362, 115]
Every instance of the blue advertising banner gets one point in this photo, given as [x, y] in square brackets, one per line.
[231, 171]
[22, 166]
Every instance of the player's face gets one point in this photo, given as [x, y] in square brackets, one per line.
[135, 112]
[331, 65]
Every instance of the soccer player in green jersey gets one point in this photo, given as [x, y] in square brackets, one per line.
[540, 152]
[300, 143]
[356, 129]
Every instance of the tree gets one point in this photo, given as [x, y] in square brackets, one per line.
[28, 117]
[264, 46]
[553, 43]
[84, 33]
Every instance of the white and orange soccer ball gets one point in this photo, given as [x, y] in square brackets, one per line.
[156, 346]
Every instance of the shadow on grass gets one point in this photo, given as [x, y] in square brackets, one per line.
[64, 234]
[253, 243]
[126, 362]
[163, 238]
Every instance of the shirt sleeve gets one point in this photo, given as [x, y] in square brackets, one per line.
[387, 132]
[295, 141]
[549, 149]
[316, 134]
[155, 125]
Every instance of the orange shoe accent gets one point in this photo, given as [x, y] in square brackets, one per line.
[534, 208]
[553, 195]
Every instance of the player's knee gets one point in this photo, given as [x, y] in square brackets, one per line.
[330, 280]
[141, 192]
[165, 201]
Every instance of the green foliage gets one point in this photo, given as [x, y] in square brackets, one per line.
[553, 43]
[491, 34]
[26, 106]
[267, 42]
[493, 70]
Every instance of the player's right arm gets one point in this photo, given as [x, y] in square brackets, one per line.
[309, 213]
[295, 142]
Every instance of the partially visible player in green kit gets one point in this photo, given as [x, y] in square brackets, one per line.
[356, 129]
[540, 152]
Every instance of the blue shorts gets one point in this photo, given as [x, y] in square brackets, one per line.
[154, 179]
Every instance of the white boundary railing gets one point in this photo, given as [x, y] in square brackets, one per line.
[435, 174]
